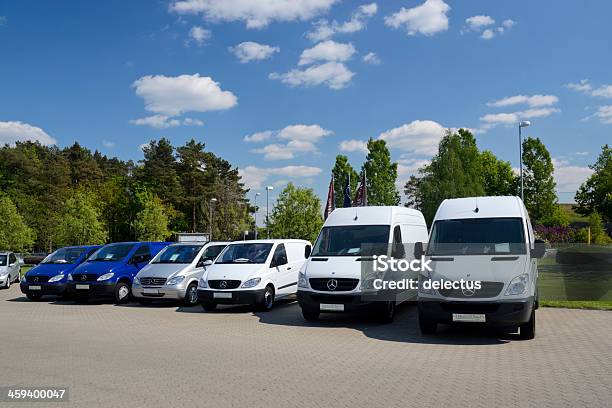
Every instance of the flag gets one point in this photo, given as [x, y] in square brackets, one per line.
[347, 193]
[330, 206]
[361, 197]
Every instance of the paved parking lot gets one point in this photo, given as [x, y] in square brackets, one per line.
[127, 356]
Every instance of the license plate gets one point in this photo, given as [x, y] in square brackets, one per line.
[35, 287]
[222, 295]
[332, 307]
[462, 317]
[82, 287]
[150, 291]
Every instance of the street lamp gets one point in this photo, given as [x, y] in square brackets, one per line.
[522, 124]
[210, 207]
[256, 210]
[268, 189]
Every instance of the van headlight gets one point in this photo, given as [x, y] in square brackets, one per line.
[202, 283]
[56, 278]
[176, 280]
[518, 285]
[23, 278]
[302, 281]
[422, 289]
[69, 277]
[106, 276]
[251, 283]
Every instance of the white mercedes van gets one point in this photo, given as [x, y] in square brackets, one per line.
[173, 274]
[257, 273]
[331, 278]
[488, 242]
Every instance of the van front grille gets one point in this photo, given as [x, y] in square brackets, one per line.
[147, 281]
[84, 277]
[37, 279]
[333, 284]
[487, 290]
[223, 284]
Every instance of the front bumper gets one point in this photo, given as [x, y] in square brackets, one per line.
[163, 292]
[500, 314]
[352, 302]
[3, 280]
[56, 289]
[239, 297]
[96, 289]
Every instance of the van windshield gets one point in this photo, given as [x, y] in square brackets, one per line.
[111, 253]
[212, 252]
[177, 254]
[484, 236]
[255, 253]
[64, 256]
[348, 240]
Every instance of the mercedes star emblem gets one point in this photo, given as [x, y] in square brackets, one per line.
[36, 279]
[83, 277]
[223, 284]
[468, 292]
[332, 284]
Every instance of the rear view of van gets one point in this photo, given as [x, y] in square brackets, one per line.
[488, 243]
[331, 279]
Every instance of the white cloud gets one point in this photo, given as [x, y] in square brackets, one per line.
[508, 24]
[108, 144]
[15, 131]
[604, 114]
[256, 13]
[582, 86]
[487, 34]
[477, 23]
[251, 51]
[371, 58]
[164, 122]
[428, 19]
[303, 132]
[299, 139]
[259, 136]
[199, 35]
[324, 29]
[604, 91]
[420, 137]
[530, 100]
[335, 75]
[506, 118]
[327, 51]
[255, 177]
[353, 146]
[277, 151]
[569, 177]
[172, 96]
[515, 117]
[407, 167]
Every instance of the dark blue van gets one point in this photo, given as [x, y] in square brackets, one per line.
[109, 272]
[50, 276]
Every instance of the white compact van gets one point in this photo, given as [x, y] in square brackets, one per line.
[257, 273]
[173, 274]
[485, 240]
[331, 278]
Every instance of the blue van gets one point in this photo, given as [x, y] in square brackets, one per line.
[50, 276]
[109, 272]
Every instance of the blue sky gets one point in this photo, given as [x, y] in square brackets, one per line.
[279, 87]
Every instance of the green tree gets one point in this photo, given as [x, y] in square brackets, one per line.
[151, 223]
[455, 171]
[381, 174]
[539, 184]
[159, 171]
[343, 169]
[598, 233]
[15, 235]
[297, 214]
[192, 172]
[498, 177]
[79, 221]
[595, 194]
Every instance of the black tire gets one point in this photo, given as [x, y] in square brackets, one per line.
[527, 330]
[427, 326]
[34, 296]
[7, 285]
[145, 302]
[386, 312]
[311, 315]
[191, 295]
[267, 302]
[209, 306]
[122, 293]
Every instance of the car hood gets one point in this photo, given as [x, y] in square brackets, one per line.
[99, 268]
[502, 268]
[241, 272]
[51, 269]
[162, 270]
[3, 268]
[336, 266]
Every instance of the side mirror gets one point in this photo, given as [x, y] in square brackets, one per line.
[418, 250]
[204, 263]
[13, 264]
[539, 249]
[307, 251]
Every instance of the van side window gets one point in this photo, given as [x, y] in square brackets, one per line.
[280, 256]
[90, 253]
[398, 248]
[12, 258]
[397, 235]
[144, 253]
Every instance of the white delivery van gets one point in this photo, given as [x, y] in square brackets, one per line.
[487, 240]
[173, 274]
[331, 278]
[257, 273]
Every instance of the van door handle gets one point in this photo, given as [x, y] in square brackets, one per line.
[288, 267]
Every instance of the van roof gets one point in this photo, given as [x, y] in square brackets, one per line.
[269, 241]
[373, 215]
[488, 207]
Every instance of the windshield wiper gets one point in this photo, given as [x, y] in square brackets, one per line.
[242, 260]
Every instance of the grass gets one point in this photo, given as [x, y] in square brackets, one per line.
[578, 304]
[572, 215]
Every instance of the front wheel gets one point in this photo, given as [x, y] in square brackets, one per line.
[386, 312]
[527, 330]
[122, 293]
[267, 302]
[8, 282]
[191, 295]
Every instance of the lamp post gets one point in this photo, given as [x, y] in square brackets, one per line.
[268, 189]
[522, 124]
[210, 207]
[256, 210]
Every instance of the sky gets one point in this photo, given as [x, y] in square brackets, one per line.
[280, 87]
